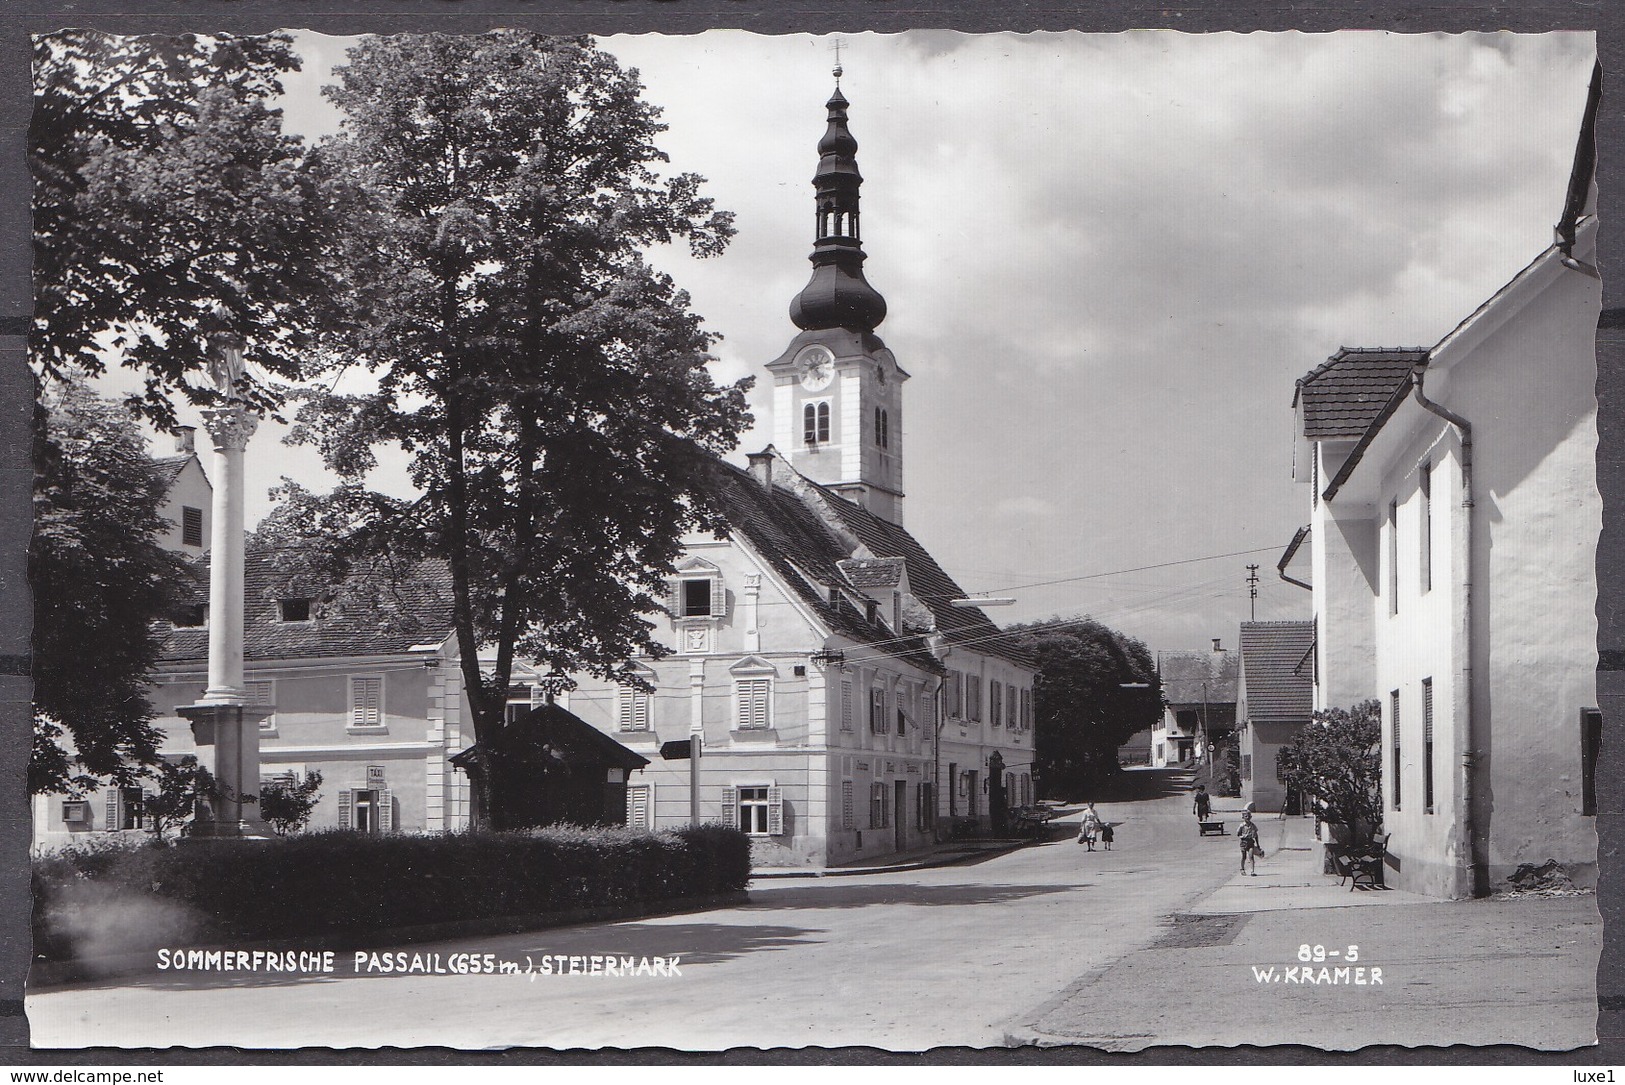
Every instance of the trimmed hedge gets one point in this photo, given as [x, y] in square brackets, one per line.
[99, 899]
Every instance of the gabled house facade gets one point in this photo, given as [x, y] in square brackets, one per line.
[1198, 704]
[1454, 522]
[1274, 701]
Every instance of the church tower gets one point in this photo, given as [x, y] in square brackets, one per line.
[837, 390]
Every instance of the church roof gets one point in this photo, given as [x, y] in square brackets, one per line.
[417, 611]
[1279, 686]
[1349, 391]
[824, 546]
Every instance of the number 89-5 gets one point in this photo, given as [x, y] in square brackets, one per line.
[1317, 954]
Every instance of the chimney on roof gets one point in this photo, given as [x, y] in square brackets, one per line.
[1216, 647]
[184, 436]
[761, 467]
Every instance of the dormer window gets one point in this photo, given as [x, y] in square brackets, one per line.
[815, 422]
[293, 610]
[697, 598]
[190, 616]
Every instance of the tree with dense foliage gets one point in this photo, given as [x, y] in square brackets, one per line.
[169, 208]
[286, 804]
[184, 787]
[547, 387]
[1095, 688]
[1337, 759]
[101, 580]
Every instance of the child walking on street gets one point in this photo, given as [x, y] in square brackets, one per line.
[1247, 836]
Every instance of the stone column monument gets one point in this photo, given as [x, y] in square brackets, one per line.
[223, 721]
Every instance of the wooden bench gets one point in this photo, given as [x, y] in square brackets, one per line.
[1362, 863]
[1210, 828]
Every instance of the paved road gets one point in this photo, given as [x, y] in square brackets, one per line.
[949, 956]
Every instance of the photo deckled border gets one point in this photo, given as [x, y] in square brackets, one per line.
[606, 18]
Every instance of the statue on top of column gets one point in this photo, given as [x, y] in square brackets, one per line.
[226, 366]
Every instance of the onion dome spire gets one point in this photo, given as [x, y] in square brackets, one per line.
[837, 296]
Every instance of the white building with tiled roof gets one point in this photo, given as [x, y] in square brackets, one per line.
[1274, 699]
[848, 707]
[1454, 523]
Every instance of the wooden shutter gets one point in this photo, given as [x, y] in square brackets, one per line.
[346, 809]
[719, 598]
[730, 806]
[113, 797]
[637, 806]
[753, 703]
[386, 811]
[366, 695]
[775, 811]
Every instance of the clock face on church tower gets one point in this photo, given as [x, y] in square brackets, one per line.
[817, 368]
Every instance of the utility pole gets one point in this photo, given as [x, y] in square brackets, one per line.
[1252, 592]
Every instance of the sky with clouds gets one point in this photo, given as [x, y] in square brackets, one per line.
[1106, 260]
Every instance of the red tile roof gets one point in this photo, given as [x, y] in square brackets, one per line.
[1349, 391]
[1278, 687]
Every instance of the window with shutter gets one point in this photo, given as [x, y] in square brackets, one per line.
[366, 702]
[191, 526]
[849, 818]
[730, 806]
[696, 602]
[754, 695]
[263, 693]
[775, 811]
[346, 809]
[634, 710]
[640, 806]
[846, 706]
